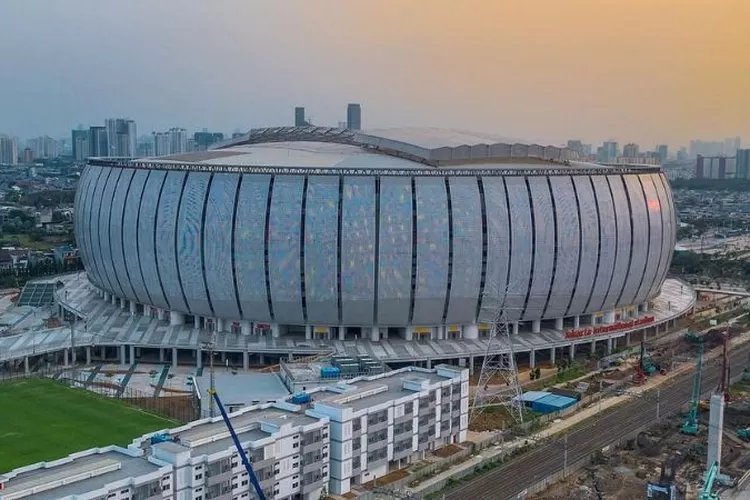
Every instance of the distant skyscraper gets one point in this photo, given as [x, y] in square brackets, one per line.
[98, 145]
[27, 156]
[682, 154]
[577, 146]
[299, 117]
[177, 140]
[8, 150]
[661, 152]
[743, 164]
[44, 147]
[80, 143]
[608, 152]
[161, 143]
[630, 150]
[121, 137]
[354, 116]
[203, 140]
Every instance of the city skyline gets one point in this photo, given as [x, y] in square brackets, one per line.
[650, 78]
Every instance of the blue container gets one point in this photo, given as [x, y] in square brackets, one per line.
[300, 398]
[330, 372]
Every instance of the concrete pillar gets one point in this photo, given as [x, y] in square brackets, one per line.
[261, 359]
[609, 317]
[26, 369]
[176, 318]
[113, 298]
[147, 310]
[471, 365]
[102, 353]
[609, 345]
[471, 332]
[536, 326]
[559, 323]
[627, 339]
[174, 357]
[429, 364]
[132, 354]
[107, 297]
[715, 430]
[532, 358]
[133, 307]
[245, 360]
[123, 355]
[220, 325]
[245, 327]
[308, 332]
[123, 303]
[514, 331]
[342, 332]
[576, 321]
[552, 354]
[593, 347]
[409, 333]
[198, 358]
[572, 351]
[375, 334]
[66, 359]
[161, 355]
[275, 330]
[88, 355]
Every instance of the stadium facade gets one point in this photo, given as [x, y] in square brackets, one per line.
[336, 233]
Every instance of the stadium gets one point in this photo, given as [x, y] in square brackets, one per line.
[413, 234]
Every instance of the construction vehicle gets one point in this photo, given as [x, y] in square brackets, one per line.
[744, 434]
[690, 426]
[707, 492]
[645, 367]
[693, 337]
[238, 445]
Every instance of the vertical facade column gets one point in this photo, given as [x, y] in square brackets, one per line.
[375, 334]
[245, 360]
[559, 323]
[552, 353]
[88, 355]
[275, 330]
[174, 357]
[245, 327]
[515, 328]
[123, 355]
[26, 369]
[147, 310]
[536, 326]
[627, 339]
[198, 358]
[132, 354]
[471, 332]
[220, 325]
[133, 307]
[471, 365]
[308, 332]
[609, 345]
[576, 321]
[609, 317]
[532, 358]
[342, 332]
[409, 333]
[572, 351]
[593, 347]
[176, 318]
[66, 357]
[161, 355]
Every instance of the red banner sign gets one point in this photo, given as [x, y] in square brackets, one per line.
[588, 331]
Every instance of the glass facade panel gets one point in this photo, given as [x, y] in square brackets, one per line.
[544, 245]
[166, 223]
[321, 250]
[147, 237]
[358, 251]
[394, 285]
[116, 228]
[589, 226]
[568, 240]
[130, 235]
[189, 243]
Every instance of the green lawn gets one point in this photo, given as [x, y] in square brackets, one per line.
[42, 420]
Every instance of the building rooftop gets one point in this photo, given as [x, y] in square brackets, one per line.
[419, 151]
[84, 471]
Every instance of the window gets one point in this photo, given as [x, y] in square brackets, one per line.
[295, 445]
[198, 477]
[165, 487]
[244, 483]
[295, 485]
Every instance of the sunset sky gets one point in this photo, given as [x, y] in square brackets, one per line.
[647, 71]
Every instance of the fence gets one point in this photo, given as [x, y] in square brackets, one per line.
[180, 408]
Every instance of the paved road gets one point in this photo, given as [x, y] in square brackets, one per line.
[506, 482]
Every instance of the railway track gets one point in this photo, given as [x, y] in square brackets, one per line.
[511, 479]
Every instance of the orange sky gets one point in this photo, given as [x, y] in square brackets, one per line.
[648, 71]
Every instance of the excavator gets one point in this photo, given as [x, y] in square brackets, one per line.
[690, 426]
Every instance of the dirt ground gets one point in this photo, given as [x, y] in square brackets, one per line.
[663, 454]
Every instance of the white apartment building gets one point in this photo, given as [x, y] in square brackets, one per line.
[346, 434]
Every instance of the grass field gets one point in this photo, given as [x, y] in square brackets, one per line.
[42, 420]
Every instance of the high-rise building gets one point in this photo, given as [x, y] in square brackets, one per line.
[121, 137]
[80, 143]
[630, 150]
[27, 156]
[299, 117]
[608, 152]
[161, 143]
[8, 150]
[661, 152]
[682, 154]
[743, 164]
[727, 147]
[44, 147]
[98, 144]
[177, 140]
[583, 150]
[203, 140]
[354, 116]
